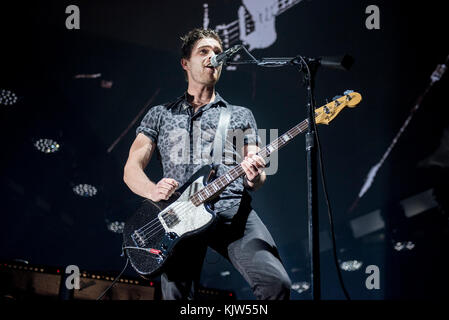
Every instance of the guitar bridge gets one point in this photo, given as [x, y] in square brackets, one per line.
[138, 239]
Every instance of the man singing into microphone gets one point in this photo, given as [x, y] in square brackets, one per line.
[172, 128]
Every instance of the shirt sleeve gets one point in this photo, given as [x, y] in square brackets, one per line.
[149, 125]
[251, 135]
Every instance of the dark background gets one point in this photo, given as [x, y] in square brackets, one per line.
[136, 44]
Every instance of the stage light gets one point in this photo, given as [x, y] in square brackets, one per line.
[351, 265]
[300, 287]
[46, 145]
[7, 97]
[403, 246]
[116, 226]
[409, 245]
[225, 273]
[85, 190]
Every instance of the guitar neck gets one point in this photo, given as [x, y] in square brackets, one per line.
[218, 185]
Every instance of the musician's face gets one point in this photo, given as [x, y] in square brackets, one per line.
[198, 66]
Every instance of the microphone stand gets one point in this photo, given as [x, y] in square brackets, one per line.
[312, 202]
[310, 65]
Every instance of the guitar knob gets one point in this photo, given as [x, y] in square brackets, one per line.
[171, 236]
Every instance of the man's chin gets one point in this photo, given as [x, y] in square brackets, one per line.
[210, 82]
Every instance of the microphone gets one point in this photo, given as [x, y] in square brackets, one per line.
[221, 58]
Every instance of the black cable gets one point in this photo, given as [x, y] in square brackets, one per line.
[323, 181]
[115, 280]
[331, 222]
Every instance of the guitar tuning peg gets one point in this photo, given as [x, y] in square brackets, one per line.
[336, 97]
[348, 92]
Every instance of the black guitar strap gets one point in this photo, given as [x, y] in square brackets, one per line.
[220, 135]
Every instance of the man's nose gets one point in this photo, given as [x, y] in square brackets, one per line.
[209, 57]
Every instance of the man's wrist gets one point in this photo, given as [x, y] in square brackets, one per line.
[252, 183]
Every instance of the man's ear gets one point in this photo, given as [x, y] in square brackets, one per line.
[184, 63]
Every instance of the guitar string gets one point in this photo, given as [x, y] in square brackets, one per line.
[146, 234]
[233, 29]
[159, 228]
[147, 226]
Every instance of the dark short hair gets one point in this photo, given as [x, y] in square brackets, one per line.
[189, 40]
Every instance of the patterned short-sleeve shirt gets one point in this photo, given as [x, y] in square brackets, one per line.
[184, 141]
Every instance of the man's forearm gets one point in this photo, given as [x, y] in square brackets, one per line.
[136, 180]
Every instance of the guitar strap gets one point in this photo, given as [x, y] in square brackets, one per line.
[220, 135]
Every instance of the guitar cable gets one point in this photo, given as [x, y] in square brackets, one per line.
[115, 280]
[329, 209]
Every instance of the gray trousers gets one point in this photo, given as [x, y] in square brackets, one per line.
[243, 239]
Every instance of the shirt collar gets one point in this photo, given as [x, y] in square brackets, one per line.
[218, 101]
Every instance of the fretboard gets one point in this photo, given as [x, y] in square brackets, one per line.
[218, 185]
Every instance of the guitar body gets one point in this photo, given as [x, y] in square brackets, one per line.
[151, 234]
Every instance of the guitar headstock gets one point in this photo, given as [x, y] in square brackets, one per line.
[328, 112]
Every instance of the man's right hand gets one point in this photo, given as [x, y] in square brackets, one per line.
[163, 189]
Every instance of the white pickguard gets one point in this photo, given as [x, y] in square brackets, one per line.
[190, 217]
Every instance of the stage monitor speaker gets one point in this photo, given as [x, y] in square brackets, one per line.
[124, 289]
[19, 281]
[22, 281]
